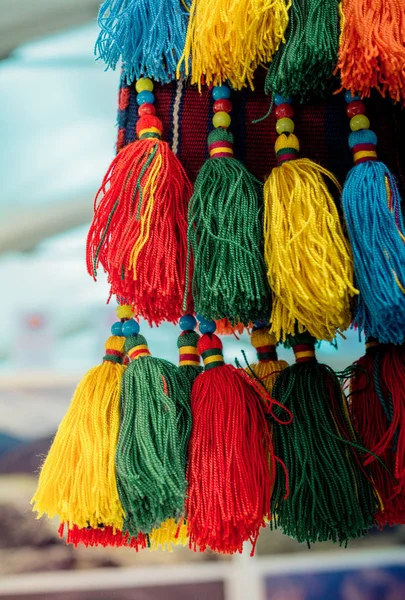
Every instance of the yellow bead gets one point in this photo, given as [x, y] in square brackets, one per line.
[284, 141]
[144, 85]
[221, 119]
[285, 125]
[124, 312]
[359, 122]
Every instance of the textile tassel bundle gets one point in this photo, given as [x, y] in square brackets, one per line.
[139, 228]
[148, 37]
[225, 232]
[78, 480]
[228, 470]
[309, 262]
[268, 366]
[101, 536]
[149, 462]
[372, 210]
[372, 47]
[304, 65]
[227, 41]
[332, 497]
[377, 408]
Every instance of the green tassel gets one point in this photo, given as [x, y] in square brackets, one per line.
[331, 496]
[225, 235]
[150, 458]
[304, 65]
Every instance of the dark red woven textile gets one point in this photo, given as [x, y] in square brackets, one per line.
[322, 128]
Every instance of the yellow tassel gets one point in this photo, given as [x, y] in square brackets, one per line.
[228, 39]
[77, 481]
[169, 534]
[309, 261]
[266, 369]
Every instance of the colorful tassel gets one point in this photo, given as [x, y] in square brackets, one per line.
[228, 471]
[139, 228]
[309, 263]
[332, 496]
[375, 225]
[227, 41]
[77, 481]
[170, 533]
[268, 367]
[304, 65]
[372, 47]
[225, 233]
[149, 460]
[377, 408]
[148, 37]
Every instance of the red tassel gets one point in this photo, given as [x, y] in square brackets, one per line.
[105, 536]
[228, 470]
[378, 412]
[139, 229]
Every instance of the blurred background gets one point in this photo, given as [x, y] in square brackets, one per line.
[58, 133]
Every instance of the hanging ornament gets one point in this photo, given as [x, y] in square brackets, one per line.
[77, 481]
[227, 41]
[309, 262]
[377, 408]
[150, 458]
[139, 228]
[304, 65]
[332, 496]
[147, 37]
[268, 366]
[375, 226]
[372, 47]
[225, 231]
[228, 473]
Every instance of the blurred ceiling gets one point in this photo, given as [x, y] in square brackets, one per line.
[25, 20]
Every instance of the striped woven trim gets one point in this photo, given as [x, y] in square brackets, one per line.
[372, 344]
[114, 356]
[151, 130]
[189, 356]
[212, 358]
[266, 353]
[221, 149]
[138, 351]
[363, 153]
[303, 352]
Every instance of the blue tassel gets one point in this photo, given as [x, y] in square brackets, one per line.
[148, 35]
[372, 209]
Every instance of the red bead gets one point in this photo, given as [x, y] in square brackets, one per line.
[222, 105]
[355, 108]
[146, 109]
[283, 111]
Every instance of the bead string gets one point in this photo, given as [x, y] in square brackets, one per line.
[221, 146]
[362, 140]
[287, 145]
[148, 125]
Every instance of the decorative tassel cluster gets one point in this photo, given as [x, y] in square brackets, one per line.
[375, 225]
[225, 233]
[227, 41]
[372, 47]
[139, 229]
[377, 408]
[332, 494]
[309, 263]
[149, 38]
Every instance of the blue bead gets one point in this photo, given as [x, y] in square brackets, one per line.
[200, 317]
[207, 326]
[130, 327]
[349, 98]
[277, 99]
[145, 97]
[221, 91]
[363, 136]
[116, 328]
[187, 323]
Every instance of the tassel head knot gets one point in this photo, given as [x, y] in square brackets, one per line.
[265, 344]
[210, 347]
[286, 147]
[189, 354]
[149, 126]
[303, 345]
[136, 347]
[114, 349]
[220, 143]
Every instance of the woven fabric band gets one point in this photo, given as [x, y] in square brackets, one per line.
[212, 358]
[138, 351]
[304, 353]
